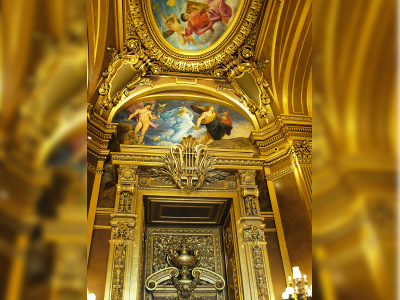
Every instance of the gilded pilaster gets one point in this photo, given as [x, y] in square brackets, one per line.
[278, 223]
[126, 190]
[123, 237]
[302, 157]
[253, 237]
[93, 201]
[99, 134]
[120, 252]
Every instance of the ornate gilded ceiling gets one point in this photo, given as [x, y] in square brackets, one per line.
[257, 63]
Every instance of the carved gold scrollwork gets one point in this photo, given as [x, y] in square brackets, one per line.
[127, 174]
[243, 62]
[122, 231]
[259, 268]
[181, 264]
[176, 61]
[254, 233]
[249, 192]
[188, 166]
[134, 54]
[250, 206]
[117, 292]
[125, 202]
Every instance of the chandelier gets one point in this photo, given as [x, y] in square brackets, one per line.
[297, 288]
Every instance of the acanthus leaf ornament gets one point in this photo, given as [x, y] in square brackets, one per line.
[303, 152]
[188, 166]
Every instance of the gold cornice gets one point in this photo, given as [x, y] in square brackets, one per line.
[261, 134]
[154, 159]
[96, 152]
[280, 173]
[275, 141]
[99, 123]
[93, 169]
[98, 133]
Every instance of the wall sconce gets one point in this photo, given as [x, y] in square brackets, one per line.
[297, 289]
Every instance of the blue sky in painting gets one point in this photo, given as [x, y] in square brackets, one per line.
[171, 128]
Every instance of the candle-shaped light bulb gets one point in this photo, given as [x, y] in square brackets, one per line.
[305, 277]
[285, 295]
[296, 289]
[91, 296]
[296, 273]
[290, 279]
[289, 290]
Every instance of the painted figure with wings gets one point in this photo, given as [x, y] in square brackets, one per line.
[208, 117]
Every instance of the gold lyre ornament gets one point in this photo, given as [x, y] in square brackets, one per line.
[188, 166]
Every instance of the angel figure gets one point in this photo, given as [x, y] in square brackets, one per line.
[174, 25]
[208, 117]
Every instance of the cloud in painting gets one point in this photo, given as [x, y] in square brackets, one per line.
[210, 37]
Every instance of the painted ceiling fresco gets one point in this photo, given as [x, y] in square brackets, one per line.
[193, 25]
[165, 122]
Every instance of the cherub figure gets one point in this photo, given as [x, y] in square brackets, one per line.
[143, 117]
[183, 110]
[174, 25]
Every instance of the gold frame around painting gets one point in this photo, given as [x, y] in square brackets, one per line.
[197, 61]
[223, 40]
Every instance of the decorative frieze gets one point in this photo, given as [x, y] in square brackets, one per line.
[118, 281]
[157, 159]
[93, 169]
[282, 172]
[259, 269]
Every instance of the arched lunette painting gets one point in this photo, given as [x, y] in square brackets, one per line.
[166, 122]
[193, 25]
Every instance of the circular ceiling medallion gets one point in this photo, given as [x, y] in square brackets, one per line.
[193, 36]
